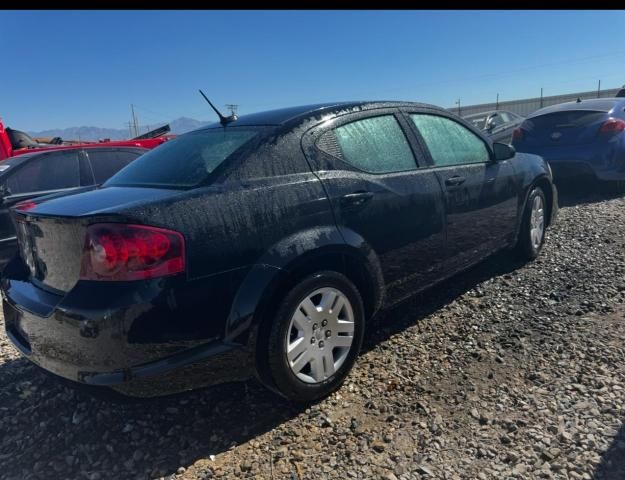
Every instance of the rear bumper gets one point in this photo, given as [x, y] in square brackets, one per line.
[137, 343]
[214, 362]
[567, 170]
[602, 162]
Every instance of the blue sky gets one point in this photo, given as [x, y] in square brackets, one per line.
[69, 68]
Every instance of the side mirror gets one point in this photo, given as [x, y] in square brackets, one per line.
[503, 151]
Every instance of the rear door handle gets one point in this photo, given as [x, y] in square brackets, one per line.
[356, 199]
[454, 181]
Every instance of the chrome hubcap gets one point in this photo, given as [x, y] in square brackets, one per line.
[537, 222]
[320, 335]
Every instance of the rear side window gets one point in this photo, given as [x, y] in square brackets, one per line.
[376, 145]
[52, 171]
[105, 164]
[449, 142]
[185, 161]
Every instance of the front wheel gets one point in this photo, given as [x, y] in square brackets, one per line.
[532, 233]
[316, 336]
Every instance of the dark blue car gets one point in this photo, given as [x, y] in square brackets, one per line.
[581, 138]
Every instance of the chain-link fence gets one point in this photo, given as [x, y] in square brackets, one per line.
[528, 105]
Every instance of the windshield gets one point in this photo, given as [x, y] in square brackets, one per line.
[185, 161]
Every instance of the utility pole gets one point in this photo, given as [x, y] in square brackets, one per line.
[232, 107]
[458, 103]
[599, 90]
[497, 103]
[135, 123]
[541, 97]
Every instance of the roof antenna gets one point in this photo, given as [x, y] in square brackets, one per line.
[223, 120]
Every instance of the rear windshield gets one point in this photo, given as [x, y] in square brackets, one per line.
[567, 118]
[185, 161]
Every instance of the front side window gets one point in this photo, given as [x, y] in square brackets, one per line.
[52, 171]
[185, 161]
[376, 145]
[449, 142]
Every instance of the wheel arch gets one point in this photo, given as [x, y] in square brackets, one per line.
[290, 260]
[544, 183]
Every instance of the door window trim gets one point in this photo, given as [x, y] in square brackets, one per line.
[85, 167]
[311, 137]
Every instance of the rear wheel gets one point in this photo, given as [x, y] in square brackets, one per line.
[315, 337]
[532, 234]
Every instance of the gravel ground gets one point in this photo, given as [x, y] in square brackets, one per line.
[506, 371]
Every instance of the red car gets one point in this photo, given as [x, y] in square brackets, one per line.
[14, 142]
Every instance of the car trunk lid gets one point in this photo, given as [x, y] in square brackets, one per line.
[51, 248]
[51, 236]
[569, 127]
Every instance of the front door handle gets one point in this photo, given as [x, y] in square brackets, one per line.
[356, 199]
[454, 181]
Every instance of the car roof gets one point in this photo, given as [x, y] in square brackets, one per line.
[78, 146]
[596, 104]
[284, 116]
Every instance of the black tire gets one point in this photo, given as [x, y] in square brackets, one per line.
[285, 381]
[525, 248]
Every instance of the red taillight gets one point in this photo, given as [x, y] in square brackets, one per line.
[517, 135]
[24, 206]
[115, 251]
[612, 126]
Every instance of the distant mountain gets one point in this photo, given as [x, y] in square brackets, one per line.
[178, 126]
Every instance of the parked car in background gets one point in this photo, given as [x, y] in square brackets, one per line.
[52, 171]
[263, 245]
[579, 139]
[497, 124]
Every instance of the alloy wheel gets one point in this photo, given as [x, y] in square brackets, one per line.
[320, 335]
[537, 222]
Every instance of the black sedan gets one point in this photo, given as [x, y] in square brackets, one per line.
[497, 124]
[47, 172]
[264, 246]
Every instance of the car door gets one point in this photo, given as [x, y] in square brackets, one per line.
[369, 165]
[49, 172]
[480, 193]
